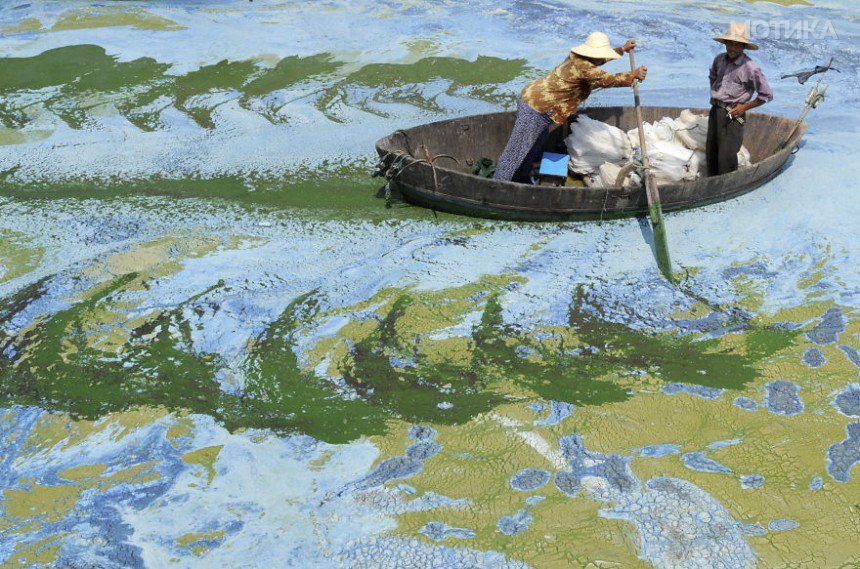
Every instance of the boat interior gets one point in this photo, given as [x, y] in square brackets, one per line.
[457, 144]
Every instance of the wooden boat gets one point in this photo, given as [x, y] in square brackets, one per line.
[453, 147]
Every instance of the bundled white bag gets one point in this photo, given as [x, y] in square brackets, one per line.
[675, 149]
[650, 135]
[592, 143]
[744, 158]
[693, 168]
[691, 130]
[688, 118]
[664, 129]
[700, 161]
[596, 180]
[609, 175]
[672, 162]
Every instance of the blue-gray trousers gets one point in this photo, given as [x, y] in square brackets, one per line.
[531, 130]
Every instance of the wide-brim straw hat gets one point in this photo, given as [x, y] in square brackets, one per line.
[597, 46]
[739, 33]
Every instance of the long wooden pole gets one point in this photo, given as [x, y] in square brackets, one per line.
[806, 110]
[661, 243]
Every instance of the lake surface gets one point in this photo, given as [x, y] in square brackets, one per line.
[219, 347]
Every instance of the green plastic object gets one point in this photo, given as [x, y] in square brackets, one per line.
[484, 167]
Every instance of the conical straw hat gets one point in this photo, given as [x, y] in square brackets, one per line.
[739, 33]
[596, 46]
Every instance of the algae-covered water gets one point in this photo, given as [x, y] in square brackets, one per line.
[219, 348]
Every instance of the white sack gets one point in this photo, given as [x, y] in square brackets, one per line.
[664, 130]
[596, 180]
[687, 118]
[650, 135]
[591, 143]
[672, 162]
[691, 130]
[744, 158]
[609, 174]
[700, 161]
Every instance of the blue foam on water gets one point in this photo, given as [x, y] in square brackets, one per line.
[746, 403]
[817, 483]
[437, 531]
[752, 481]
[529, 479]
[782, 525]
[783, 398]
[518, 523]
[699, 462]
[657, 451]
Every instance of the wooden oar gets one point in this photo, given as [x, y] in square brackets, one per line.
[661, 244]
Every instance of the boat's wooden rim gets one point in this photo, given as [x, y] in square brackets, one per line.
[447, 188]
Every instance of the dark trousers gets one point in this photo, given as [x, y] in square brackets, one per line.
[523, 172]
[725, 137]
[531, 131]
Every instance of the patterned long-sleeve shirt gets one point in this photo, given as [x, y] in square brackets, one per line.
[568, 85]
[736, 81]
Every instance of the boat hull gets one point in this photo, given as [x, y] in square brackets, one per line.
[453, 146]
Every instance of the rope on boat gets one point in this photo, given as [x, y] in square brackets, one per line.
[400, 163]
[605, 199]
[633, 166]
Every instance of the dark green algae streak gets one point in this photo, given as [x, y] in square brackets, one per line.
[52, 366]
[323, 195]
[84, 76]
[141, 89]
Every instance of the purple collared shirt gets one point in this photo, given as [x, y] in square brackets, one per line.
[736, 81]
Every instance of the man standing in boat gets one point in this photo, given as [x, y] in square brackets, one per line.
[556, 96]
[735, 78]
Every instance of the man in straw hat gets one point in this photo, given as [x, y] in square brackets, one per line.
[554, 97]
[734, 79]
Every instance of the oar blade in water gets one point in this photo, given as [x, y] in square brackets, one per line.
[661, 242]
[661, 245]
